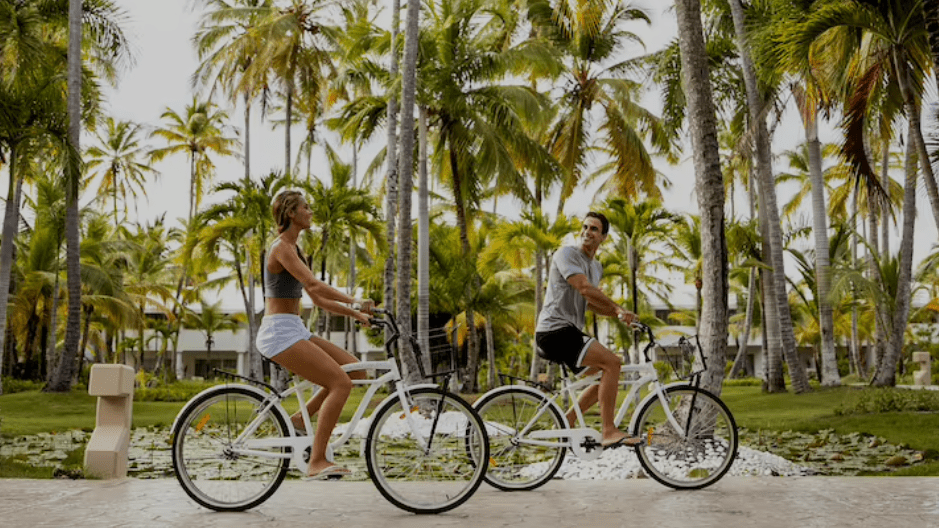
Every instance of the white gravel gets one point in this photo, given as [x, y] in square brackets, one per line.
[616, 464]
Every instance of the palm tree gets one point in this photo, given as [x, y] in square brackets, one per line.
[896, 48]
[637, 228]
[709, 186]
[477, 121]
[242, 225]
[227, 44]
[198, 133]
[769, 212]
[117, 155]
[590, 37]
[210, 320]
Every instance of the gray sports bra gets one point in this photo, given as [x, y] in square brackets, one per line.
[281, 285]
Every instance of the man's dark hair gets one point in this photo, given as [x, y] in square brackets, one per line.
[602, 219]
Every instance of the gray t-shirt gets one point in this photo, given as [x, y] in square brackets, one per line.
[563, 304]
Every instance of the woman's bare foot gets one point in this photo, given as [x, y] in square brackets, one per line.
[326, 470]
[619, 440]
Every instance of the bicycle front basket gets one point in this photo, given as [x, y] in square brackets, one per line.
[685, 359]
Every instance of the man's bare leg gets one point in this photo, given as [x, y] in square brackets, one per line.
[609, 364]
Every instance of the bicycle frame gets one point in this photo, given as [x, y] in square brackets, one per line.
[648, 376]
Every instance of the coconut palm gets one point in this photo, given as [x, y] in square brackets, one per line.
[242, 226]
[116, 157]
[475, 117]
[709, 186]
[198, 132]
[895, 49]
[210, 320]
[227, 44]
[590, 37]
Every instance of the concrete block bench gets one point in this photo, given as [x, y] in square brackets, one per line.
[106, 453]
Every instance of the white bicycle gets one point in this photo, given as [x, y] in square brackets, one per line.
[689, 437]
[233, 443]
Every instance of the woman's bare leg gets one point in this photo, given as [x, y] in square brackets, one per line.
[341, 357]
[313, 363]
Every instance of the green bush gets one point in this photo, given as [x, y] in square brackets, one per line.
[743, 382]
[13, 385]
[891, 400]
[179, 391]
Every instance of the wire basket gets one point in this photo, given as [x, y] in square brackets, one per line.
[685, 358]
[443, 351]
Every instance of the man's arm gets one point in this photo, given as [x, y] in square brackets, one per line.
[597, 301]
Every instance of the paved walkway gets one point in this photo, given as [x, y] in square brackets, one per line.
[752, 502]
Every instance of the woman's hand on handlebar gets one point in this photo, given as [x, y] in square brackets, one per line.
[627, 317]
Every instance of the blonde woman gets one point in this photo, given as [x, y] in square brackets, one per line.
[284, 338]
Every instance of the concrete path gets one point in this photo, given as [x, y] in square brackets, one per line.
[752, 502]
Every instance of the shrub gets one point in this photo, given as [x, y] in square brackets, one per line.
[179, 391]
[891, 400]
[12, 385]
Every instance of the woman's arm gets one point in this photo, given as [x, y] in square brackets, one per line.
[322, 294]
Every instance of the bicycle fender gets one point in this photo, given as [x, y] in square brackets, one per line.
[641, 404]
[216, 388]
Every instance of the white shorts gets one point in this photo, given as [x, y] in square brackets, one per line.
[279, 332]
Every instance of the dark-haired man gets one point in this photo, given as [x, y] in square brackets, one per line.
[572, 289]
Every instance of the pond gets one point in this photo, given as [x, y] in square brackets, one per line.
[823, 453]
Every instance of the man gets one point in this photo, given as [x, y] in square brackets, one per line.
[572, 289]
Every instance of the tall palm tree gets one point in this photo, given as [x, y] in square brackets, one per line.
[769, 211]
[709, 186]
[210, 320]
[242, 226]
[590, 37]
[895, 48]
[476, 119]
[117, 158]
[198, 133]
[227, 43]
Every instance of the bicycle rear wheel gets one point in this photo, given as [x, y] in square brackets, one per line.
[424, 456]
[700, 456]
[515, 464]
[210, 459]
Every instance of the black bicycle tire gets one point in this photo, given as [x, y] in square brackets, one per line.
[553, 467]
[649, 467]
[182, 476]
[377, 473]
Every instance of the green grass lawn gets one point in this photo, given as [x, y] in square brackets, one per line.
[33, 412]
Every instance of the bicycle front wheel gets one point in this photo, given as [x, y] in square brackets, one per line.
[702, 454]
[428, 454]
[515, 463]
[210, 456]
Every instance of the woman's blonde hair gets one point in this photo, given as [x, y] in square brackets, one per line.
[285, 203]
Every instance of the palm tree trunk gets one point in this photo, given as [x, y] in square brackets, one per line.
[490, 353]
[10, 220]
[287, 124]
[351, 342]
[887, 371]
[539, 301]
[855, 335]
[50, 345]
[709, 187]
[391, 179]
[406, 186]
[740, 358]
[423, 244]
[768, 206]
[830, 376]
[62, 381]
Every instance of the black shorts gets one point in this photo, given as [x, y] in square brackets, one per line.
[566, 345]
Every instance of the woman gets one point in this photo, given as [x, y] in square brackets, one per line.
[284, 338]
